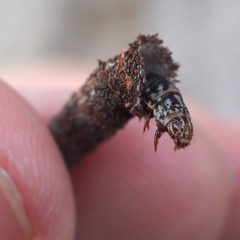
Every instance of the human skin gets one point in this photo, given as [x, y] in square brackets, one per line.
[124, 190]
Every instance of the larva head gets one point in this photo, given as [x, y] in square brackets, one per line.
[180, 130]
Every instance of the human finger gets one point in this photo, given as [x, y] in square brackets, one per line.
[36, 194]
[126, 191]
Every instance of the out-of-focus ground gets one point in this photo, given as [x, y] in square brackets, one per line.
[204, 37]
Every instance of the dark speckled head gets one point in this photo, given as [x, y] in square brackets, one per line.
[180, 130]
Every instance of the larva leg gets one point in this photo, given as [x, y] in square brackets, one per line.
[158, 134]
[147, 121]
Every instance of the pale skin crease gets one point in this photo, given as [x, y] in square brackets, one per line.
[124, 190]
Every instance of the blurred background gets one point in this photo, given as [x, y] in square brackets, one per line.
[204, 37]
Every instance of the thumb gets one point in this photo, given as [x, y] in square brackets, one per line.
[36, 198]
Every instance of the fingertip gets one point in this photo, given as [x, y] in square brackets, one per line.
[29, 156]
[124, 183]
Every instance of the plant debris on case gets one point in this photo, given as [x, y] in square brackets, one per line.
[138, 82]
